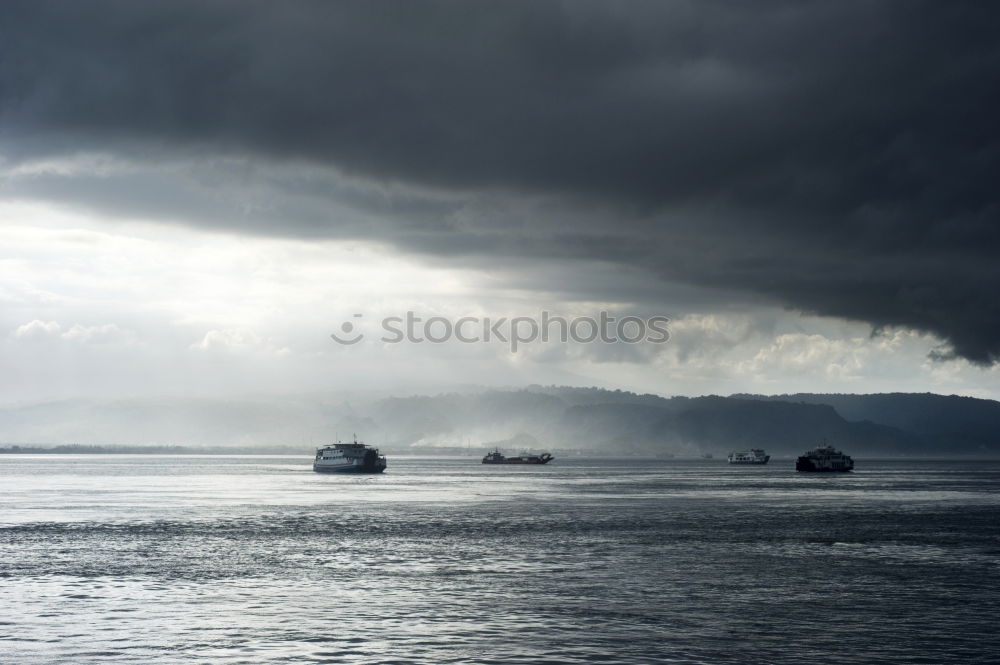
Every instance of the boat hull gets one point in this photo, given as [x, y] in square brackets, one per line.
[346, 468]
[516, 461]
[807, 465]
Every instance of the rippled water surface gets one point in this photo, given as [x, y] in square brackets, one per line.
[219, 559]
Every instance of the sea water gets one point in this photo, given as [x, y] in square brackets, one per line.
[236, 559]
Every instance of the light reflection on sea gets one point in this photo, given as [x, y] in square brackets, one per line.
[224, 559]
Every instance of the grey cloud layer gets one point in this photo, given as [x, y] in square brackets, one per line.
[836, 157]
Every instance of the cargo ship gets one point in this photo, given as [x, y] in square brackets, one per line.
[752, 456]
[496, 457]
[824, 458]
[353, 457]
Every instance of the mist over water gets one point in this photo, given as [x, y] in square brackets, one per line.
[226, 559]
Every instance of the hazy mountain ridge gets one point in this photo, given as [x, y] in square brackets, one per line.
[966, 422]
[587, 419]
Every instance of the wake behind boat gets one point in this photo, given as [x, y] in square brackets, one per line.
[353, 457]
[496, 457]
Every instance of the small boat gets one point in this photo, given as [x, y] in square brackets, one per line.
[752, 456]
[353, 457]
[496, 457]
[824, 458]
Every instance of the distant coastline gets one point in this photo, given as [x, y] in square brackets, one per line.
[423, 451]
[85, 449]
[564, 421]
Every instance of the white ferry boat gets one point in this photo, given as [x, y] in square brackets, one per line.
[353, 457]
[752, 456]
[824, 458]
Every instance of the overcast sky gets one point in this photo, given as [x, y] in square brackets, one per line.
[194, 195]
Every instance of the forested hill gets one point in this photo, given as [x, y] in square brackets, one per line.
[587, 419]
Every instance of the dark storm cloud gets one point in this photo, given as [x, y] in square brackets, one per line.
[839, 158]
